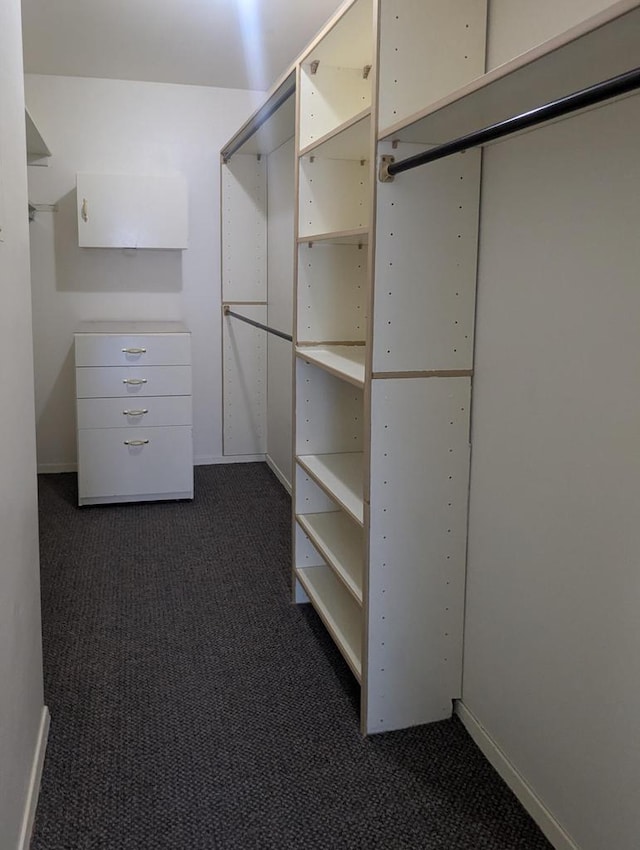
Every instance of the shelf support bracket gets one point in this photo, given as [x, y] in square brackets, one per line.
[383, 172]
[366, 71]
[314, 67]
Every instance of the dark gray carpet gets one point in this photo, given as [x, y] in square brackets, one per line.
[193, 707]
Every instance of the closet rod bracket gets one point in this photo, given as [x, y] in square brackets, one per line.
[383, 172]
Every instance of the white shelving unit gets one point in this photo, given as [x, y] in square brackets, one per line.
[409, 292]
[258, 185]
[382, 394]
[385, 306]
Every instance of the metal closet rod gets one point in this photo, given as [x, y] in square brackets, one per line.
[261, 117]
[613, 87]
[281, 334]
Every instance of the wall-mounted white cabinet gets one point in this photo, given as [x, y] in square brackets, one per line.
[132, 211]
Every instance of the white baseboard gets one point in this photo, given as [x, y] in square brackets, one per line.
[279, 474]
[516, 782]
[211, 460]
[49, 468]
[34, 781]
[202, 460]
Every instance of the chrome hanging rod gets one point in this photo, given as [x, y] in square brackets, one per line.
[281, 334]
[621, 84]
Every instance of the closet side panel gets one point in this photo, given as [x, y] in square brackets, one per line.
[418, 526]
[516, 26]
[244, 229]
[244, 288]
[428, 48]
[426, 252]
[280, 240]
[245, 382]
[552, 636]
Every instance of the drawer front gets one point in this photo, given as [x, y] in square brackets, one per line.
[121, 413]
[108, 467]
[130, 381]
[173, 349]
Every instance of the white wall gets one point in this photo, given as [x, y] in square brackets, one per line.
[280, 256]
[552, 643]
[21, 698]
[118, 126]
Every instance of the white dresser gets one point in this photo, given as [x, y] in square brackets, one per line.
[133, 392]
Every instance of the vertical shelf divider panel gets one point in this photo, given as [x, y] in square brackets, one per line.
[419, 486]
[428, 48]
[245, 383]
[426, 261]
[244, 250]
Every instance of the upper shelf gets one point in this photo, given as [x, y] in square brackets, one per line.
[355, 236]
[270, 126]
[36, 146]
[594, 50]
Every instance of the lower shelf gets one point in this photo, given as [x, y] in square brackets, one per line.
[337, 610]
[339, 475]
[339, 540]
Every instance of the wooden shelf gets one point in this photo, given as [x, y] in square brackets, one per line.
[357, 236]
[600, 47]
[344, 361]
[270, 126]
[340, 543]
[340, 476]
[350, 140]
[337, 610]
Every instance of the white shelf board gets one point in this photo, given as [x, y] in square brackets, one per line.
[351, 140]
[357, 236]
[337, 610]
[344, 361]
[271, 125]
[600, 47]
[340, 476]
[340, 543]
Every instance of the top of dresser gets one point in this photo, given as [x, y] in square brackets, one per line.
[117, 327]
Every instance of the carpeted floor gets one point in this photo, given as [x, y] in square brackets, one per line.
[194, 708]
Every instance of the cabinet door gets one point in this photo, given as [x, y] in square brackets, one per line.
[131, 211]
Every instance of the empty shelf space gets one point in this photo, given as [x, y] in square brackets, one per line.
[344, 361]
[340, 543]
[547, 72]
[350, 140]
[337, 610]
[356, 236]
[340, 476]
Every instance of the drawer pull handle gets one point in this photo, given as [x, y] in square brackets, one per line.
[134, 350]
[135, 412]
[134, 381]
[136, 442]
